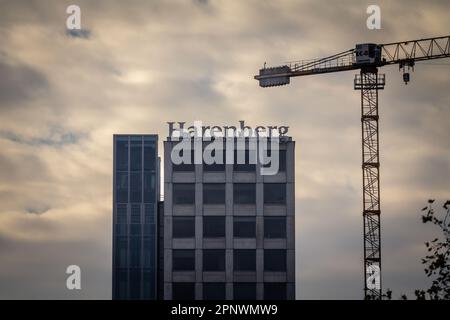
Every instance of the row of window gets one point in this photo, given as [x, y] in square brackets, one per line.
[128, 284]
[141, 187]
[135, 214]
[243, 193]
[248, 166]
[214, 227]
[142, 155]
[243, 260]
[241, 291]
[130, 248]
[135, 229]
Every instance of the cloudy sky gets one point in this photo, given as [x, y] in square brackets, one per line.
[139, 64]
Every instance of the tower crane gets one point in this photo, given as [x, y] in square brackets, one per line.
[367, 58]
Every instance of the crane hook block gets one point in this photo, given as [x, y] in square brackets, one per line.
[406, 77]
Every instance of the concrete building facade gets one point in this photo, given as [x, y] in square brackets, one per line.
[229, 232]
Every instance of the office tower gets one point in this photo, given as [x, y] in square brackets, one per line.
[228, 229]
[135, 201]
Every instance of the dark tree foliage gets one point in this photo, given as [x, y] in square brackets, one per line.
[437, 261]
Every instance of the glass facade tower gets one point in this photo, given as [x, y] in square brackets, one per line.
[135, 201]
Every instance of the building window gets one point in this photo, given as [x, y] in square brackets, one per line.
[213, 227]
[275, 291]
[213, 291]
[183, 291]
[149, 285]
[149, 252]
[149, 213]
[247, 166]
[274, 260]
[149, 187]
[135, 187]
[281, 160]
[149, 156]
[122, 213]
[244, 227]
[122, 187]
[135, 283]
[244, 260]
[135, 252]
[183, 227]
[121, 252]
[183, 260]
[214, 193]
[135, 229]
[135, 213]
[149, 229]
[275, 193]
[274, 227]
[185, 167]
[122, 154]
[244, 291]
[244, 193]
[215, 167]
[120, 229]
[213, 260]
[136, 154]
[183, 193]
[121, 284]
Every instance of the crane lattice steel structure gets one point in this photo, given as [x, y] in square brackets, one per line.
[367, 58]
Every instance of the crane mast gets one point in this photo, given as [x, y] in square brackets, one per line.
[367, 58]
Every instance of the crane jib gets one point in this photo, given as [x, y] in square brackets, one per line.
[366, 55]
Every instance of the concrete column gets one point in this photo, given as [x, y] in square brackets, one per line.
[290, 232]
[260, 232]
[290, 199]
[198, 198]
[229, 291]
[229, 265]
[290, 291]
[167, 291]
[259, 198]
[167, 265]
[198, 232]
[290, 265]
[229, 231]
[168, 209]
[199, 291]
[290, 162]
[168, 232]
[259, 291]
[259, 265]
[198, 265]
[167, 160]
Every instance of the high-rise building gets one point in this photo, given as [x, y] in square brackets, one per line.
[228, 229]
[135, 202]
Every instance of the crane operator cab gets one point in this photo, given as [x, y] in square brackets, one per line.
[368, 53]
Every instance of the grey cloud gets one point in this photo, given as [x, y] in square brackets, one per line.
[203, 2]
[56, 138]
[37, 209]
[79, 33]
[19, 83]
